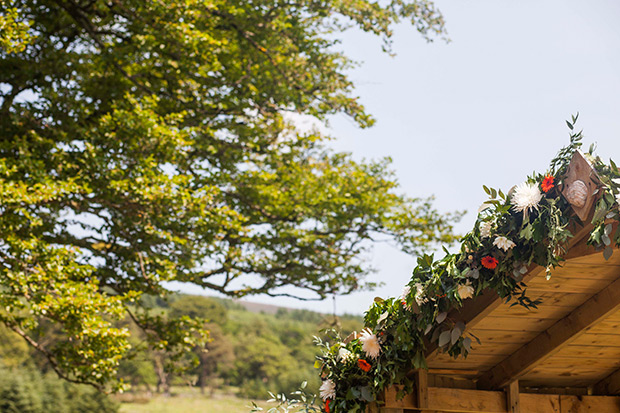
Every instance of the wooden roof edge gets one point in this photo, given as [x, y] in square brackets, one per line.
[550, 341]
[474, 310]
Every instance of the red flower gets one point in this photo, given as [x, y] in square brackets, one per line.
[327, 405]
[547, 183]
[364, 365]
[489, 262]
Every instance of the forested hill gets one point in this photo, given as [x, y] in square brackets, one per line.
[254, 349]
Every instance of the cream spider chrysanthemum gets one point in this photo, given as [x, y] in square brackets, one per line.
[485, 229]
[526, 198]
[370, 344]
[503, 243]
[328, 390]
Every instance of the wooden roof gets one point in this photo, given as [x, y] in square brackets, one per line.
[563, 357]
[572, 340]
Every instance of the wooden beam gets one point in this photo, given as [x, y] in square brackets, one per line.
[610, 385]
[481, 401]
[421, 384]
[392, 401]
[589, 404]
[513, 404]
[599, 306]
[465, 401]
[474, 310]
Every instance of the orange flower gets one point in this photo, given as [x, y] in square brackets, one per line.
[489, 262]
[327, 405]
[547, 183]
[364, 365]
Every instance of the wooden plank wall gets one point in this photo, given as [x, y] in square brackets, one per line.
[443, 400]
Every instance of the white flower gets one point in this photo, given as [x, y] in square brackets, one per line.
[328, 390]
[419, 294]
[344, 355]
[465, 290]
[526, 198]
[370, 344]
[618, 199]
[503, 243]
[485, 229]
[403, 297]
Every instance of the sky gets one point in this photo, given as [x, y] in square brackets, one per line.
[487, 108]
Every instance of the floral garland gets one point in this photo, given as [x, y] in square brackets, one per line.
[527, 226]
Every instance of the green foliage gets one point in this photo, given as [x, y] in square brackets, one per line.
[29, 391]
[299, 401]
[507, 240]
[198, 307]
[14, 35]
[150, 143]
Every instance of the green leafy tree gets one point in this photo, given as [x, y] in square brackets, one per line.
[144, 142]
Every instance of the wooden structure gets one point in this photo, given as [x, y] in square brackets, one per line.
[563, 357]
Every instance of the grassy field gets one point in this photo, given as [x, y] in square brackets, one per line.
[188, 401]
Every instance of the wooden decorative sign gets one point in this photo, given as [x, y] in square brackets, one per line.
[580, 185]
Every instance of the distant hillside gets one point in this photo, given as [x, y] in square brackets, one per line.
[260, 308]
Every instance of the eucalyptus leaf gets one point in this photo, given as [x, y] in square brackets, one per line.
[444, 338]
[607, 253]
[441, 317]
[454, 335]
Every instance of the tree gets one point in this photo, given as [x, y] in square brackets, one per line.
[144, 142]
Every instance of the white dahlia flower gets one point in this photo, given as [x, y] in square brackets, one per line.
[403, 297]
[419, 294]
[465, 290]
[328, 390]
[485, 229]
[526, 198]
[503, 243]
[370, 344]
[344, 355]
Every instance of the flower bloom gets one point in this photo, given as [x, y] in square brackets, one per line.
[526, 198]
[503, 243]
[547, 183]
[327, 390]
[489, 262]
[465, 290]
[419, 294]
[485, 229]
[327, 405]
[403, 297]
[364, 365]
[344, 355]
[370, 344]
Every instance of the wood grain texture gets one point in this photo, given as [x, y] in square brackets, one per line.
[554, 338]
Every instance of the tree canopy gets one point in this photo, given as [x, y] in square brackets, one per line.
[144, 142]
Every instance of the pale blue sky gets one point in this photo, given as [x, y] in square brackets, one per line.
[487, 108]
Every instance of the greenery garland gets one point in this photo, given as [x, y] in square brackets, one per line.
[514, 231]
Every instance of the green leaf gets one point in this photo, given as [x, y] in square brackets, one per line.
[444, 338]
